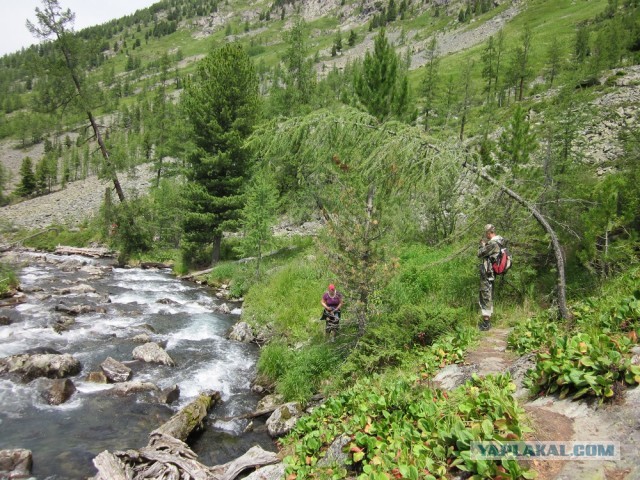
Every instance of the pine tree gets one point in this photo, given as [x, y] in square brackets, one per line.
[222, 104]
[352, 38]
[27, 184]
[382, 86]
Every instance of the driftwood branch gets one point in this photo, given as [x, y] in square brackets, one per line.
[557, 250]
[189, 418]
[87, 252]
[254, 457]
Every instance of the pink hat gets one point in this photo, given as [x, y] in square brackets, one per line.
[332, 287]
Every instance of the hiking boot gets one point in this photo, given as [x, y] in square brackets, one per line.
[485, 324]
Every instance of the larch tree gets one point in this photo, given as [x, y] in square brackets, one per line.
[67, 69]
[222, 104]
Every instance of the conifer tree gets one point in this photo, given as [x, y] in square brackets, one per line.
[517, 142]
[222, 105]
[258, 216]
[68, 70]
[430, 81]
[382, 86]
[27, 184]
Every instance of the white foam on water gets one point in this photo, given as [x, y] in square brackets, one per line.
[92, 387]
[25, 307]
[236, 311]
[231, 426]
[74, 403]
[200, 330]
[14, 398]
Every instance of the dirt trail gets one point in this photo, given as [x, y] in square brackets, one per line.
[556, 420]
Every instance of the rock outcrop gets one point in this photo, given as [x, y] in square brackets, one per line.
[152, 353]
[284, 419]
[30, 367]
[15, 463]
[115, 371]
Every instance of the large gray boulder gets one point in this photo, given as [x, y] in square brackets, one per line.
[241, 332]
[30, 367]
[284, 419]
[15, 463]
[270, 402]
[334, 454]
[57, 392]
[152, 353]
[115, 371]
[128, 388]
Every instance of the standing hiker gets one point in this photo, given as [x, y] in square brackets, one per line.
[332, 302]
[490, 246]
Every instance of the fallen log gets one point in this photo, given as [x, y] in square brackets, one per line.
[189, 418]
[87, 252]
[197, 274]
[168, 457]
[148, 265]
[255, 457]
[111, 468]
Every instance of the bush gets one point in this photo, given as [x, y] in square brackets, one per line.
[305, 370]
[274, 360]
[8, 279]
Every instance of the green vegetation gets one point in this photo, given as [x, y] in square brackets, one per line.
[8, 279]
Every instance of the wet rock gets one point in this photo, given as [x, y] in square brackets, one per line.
[97, 377]
[142, 338]
[270, 402]
[115, 371]
[58, 391]
[241, 332]
[236, 311]
[29, 367]
[146, 326]
[74, 309]
[15, 463]
[224, 309]
[167, 301]
[127, 388]
[63, 324]
[75, 290]
[4, 320]
[169, 395]
[270, 472]
[284, 419]
[334, 454]
[152, 353]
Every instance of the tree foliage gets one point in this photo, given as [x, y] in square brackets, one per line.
[222, 105]
[382, 86]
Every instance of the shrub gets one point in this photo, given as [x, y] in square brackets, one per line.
[305, 370]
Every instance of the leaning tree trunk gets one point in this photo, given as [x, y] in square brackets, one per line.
[94, 125]
[557, 250]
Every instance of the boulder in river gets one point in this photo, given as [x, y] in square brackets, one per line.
[58, 391]
[4, 320]
[128, 388]
[97, 377]
[29, 367]
[152, 353]
[74, 309]
[284, 419]
[76, 290]
[115, 371]
[142, 338]
[169, 395]
[241, 332]
[15, 463]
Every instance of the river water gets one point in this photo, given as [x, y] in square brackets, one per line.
[64, 439]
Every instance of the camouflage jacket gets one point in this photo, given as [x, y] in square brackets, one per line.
[489, 252]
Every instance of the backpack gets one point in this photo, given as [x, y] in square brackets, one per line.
[502, 263]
